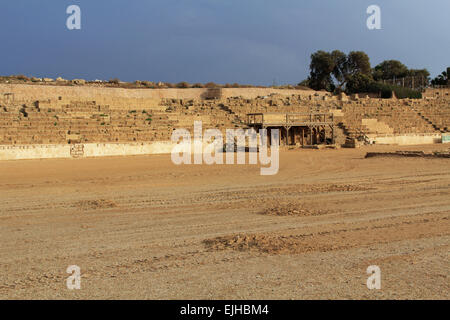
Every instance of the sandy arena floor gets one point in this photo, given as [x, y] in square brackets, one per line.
[141, 227]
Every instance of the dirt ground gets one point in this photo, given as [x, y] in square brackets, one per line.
[142, 227]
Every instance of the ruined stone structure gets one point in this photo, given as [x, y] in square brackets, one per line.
[32, 115]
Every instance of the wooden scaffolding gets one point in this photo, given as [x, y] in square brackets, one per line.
[302, 128]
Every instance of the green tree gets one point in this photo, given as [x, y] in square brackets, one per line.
[322, 64]
[326, 66]
[442, 79]
[340, 70]
[359, 82]
[419, 73]
[358, 62]
[390, 69]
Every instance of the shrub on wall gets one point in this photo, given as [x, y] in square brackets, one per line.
[386, 90]
[403, 93]
[22, 77]
[211, 85]
[148, 84]
[364, 83]
[183, 85]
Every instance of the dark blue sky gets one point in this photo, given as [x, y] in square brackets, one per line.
[245, 41]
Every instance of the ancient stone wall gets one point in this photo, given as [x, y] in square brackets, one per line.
[407, 139]
[81, 116]
[49, 151]
[103, 95]
[441, 93]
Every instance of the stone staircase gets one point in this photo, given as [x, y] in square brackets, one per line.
[437, 115]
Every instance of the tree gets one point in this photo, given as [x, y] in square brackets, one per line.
[337, 71]
[442, 79]
[326, 66]
[359, 82]
[390, 69]
[358, 62]
[419, 73]
[340, 70]
[321, 67]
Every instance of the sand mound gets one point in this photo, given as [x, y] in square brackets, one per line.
[272, 243]
[95, 204]
[338, 237]
[243, 242]
[293, 209]
[410, 154]
[342, 187]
